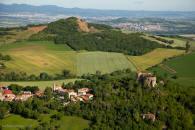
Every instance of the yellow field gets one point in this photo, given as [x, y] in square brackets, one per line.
[152, 58]
[188, 35]
[177, 42]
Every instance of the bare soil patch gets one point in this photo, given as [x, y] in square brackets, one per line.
[83, 27]
[29, 48]
[37, 29]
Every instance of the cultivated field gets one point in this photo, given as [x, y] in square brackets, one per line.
[37, 57]
[41, 84]
[153, 58]
[105, 62]
[66, 123]
[178, 42]
[184, 67]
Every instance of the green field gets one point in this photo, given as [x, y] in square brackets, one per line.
[66, 123]
[37, 57]
[41, 84]
[184, 66]
[105, 62]
[153, 58]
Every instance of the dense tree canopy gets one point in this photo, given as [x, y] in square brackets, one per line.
[105, 39]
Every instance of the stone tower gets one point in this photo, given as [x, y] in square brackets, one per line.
[54, 87]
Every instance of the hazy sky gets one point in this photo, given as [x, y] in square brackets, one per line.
[164, 5]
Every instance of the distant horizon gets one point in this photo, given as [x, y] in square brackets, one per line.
[130, 5]
[98, 8]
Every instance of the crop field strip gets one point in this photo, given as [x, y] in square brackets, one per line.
[153, 58]
[105, 62]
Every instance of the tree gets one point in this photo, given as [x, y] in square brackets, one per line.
[44, 76]
[65, 73]
[187, 46]
[48, 94]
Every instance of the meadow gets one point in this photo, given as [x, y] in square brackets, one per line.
[153, 58]
[16, 35]
[41, 56]
[66, 123]
[184, 66]
[41, 84]
[105, 62]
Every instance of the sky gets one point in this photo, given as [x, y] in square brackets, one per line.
[154, 5]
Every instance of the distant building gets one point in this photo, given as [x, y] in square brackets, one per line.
[39, 93]
[150, 116]
[56, 87]
[90, 96]
[8, 96]
[147, 79]
[82, 91]
[4, 87]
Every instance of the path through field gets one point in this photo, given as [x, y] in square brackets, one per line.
[168, 68]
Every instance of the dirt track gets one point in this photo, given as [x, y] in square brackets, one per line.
[168, 68]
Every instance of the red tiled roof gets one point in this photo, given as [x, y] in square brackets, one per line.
[85, 98]
[83, 90]
[7, 92]
[38, 93]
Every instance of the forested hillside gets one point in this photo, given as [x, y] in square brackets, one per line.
[82, 36]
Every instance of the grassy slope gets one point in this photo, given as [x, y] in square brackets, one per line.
[184, 65]
[178, 42]
[66, 123]
[152, 58]
[16, 120]
[41, 84]
[105, 62]
[37, 57]
[18, 35]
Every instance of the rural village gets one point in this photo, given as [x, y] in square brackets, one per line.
[83, 94]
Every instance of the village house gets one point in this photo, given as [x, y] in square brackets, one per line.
[8, 95]
[90, 96]
[82, 91]
[72, 93]
[4, 87]
[23, 97]
[150, 116]
[147, 78]
[26, 92]
[38, 93]
[85, 98]
[82, 94]
[56, 88]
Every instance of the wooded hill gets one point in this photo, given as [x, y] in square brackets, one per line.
[80, 35]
